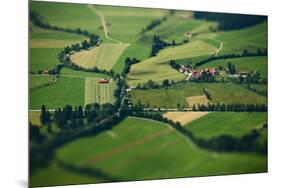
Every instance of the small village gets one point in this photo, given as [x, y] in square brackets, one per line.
[212, 72]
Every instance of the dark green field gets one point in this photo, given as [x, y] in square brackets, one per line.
[137, 146]
[230, 123]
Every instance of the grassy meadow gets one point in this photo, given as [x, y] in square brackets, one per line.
[235, 124]
[226, 93]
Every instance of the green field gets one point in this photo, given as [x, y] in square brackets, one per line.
[67, 72]
[137, 146]
[37, 80]
[236, 124]
[66, 91]
[98, 93]
[250, 38]
[99, 56]
[43, 58]
[73, 15]
[158, 68]
[178, 25]
[242, 64]
[227, 93]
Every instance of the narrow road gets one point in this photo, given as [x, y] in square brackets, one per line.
[218, 50]
[103, 21]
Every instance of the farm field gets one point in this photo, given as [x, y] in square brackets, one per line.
[184, 117]
[38, 80]
[109, 124]
[242, 64]
[236, 124]
[99, 93]
[139, 143]
[236, 41]
[227, 93]
[65, 91]
[158, 68]
[98, 57]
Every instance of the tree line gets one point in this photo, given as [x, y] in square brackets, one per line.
[128, 62]
[245, 53]
[38, 20]
[153, 24]
[223, 143]
[159, 44]
[235, 107]
[230, 21]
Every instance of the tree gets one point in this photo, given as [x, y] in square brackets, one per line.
[43, 115]
[165, 83]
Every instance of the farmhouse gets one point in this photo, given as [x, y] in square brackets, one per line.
[103, 81]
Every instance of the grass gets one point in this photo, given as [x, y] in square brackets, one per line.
[242, 64]
[227, 93]
[140, 146]
[103, 57]
[36, 80]
[65, 91]
[236, 124]
[157, 68]
[99, 93]
[58, 176]
[176, 26]
[67, 72]
[43, 58]
[250, 38]
[125, 23]
[73, 15]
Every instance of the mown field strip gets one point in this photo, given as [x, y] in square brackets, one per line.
[99, 93]
[103, 57]
[184, 117]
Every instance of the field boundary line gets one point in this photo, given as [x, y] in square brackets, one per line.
[190, 142]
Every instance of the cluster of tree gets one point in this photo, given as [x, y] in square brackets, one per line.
[245, 53]
[231, 68]
[249, 77]
[174, 65]
[236, 107]
[230, 21]
[45, 117]
[128, 63]
[154, 24]
[85, 44]
[91, 120]
[38, 20]
[150, 84]
[157, 45]
[253, 89]
[205, 76]
[120, 92]
[228, 143]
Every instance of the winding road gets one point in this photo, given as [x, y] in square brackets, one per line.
[103, 22]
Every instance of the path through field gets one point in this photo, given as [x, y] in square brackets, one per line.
[103, 21]
[219, 49]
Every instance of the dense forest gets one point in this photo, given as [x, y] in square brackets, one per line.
[230, 21]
